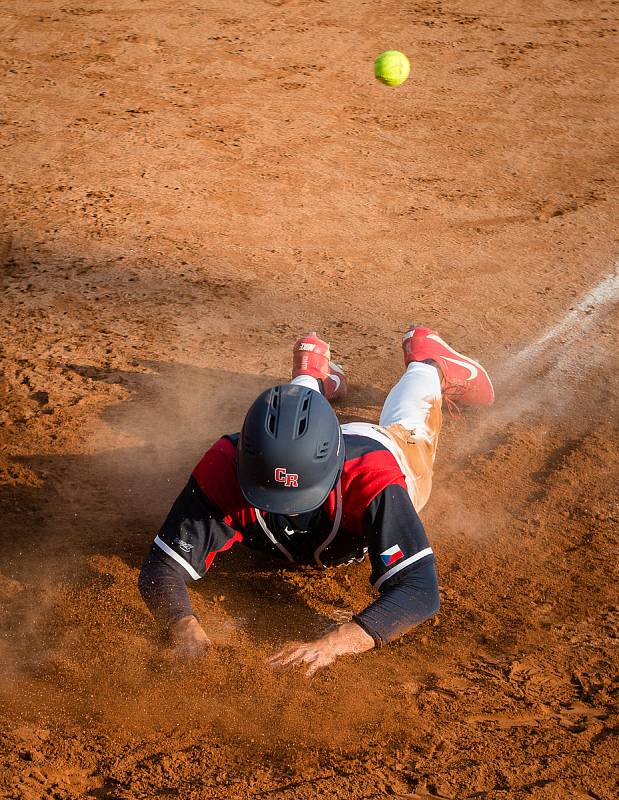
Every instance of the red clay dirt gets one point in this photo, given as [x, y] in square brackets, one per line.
[185, 188]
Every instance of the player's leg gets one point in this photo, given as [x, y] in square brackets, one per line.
[412, 399]
[308, 381]
[412, 410]
[412, 416]
[312, 367]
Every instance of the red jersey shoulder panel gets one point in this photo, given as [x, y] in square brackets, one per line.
[363, 478]
[215, 474]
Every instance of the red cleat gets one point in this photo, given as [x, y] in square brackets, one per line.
[464, 380]
[311, 356]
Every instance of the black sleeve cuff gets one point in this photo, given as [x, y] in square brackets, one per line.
[414, 599]
[378, 642]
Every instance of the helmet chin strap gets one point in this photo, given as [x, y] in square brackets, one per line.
[321, 547]
[270, 536]
[336, 524]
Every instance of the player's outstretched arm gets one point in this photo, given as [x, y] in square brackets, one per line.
[194, 532]
[406, 601]
[164, 591]
[403, 568]
[411, 600]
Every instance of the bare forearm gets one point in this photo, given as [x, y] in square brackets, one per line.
[188, 637]
[347, 639]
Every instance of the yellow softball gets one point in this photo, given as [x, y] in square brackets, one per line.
[392, 67]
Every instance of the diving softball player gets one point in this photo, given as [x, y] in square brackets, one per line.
[296, 484]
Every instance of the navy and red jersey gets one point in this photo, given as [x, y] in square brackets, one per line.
[368, 512]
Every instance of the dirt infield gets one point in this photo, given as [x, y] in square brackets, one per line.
[184, 188]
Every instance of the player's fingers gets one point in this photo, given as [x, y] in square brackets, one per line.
[190, 651]
[294, 657]
[319, 662]
[276, 657]
[314, 666]
[281, 666]
[303, 655]
[299, 656]
[285, 651]
[286, 657]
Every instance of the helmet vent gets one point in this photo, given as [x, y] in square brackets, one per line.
[272, 415]
[302, 420]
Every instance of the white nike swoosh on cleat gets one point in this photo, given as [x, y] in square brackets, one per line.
[436, 338]
[473, 370]
[337, 380]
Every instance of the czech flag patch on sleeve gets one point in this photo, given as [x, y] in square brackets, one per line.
[391, 555]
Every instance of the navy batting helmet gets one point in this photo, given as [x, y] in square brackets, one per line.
[291, 450]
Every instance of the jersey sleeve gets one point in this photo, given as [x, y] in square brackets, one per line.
[414, 598]
[194, 531]
[397, 541]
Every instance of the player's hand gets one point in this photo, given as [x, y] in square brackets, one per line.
[345, 639]
[315, 654]
[188, 638]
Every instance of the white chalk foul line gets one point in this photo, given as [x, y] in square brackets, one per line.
[578, 319]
